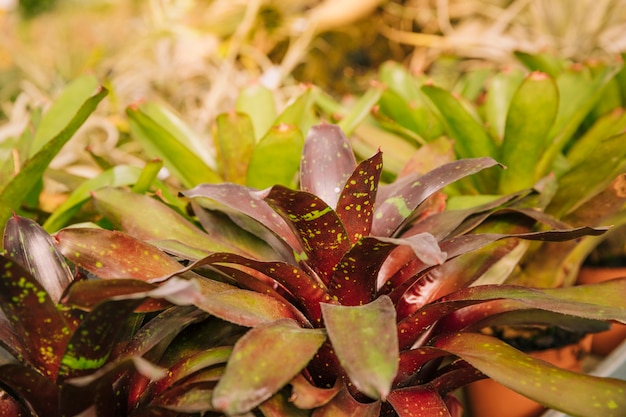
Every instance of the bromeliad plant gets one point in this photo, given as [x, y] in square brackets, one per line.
[366, 298]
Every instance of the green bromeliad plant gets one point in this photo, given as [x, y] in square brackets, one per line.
[340, 298]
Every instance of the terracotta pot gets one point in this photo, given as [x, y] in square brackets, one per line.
[604, 342]
[487, 398]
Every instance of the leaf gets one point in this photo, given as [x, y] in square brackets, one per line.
[30, 387]
[365, 340]
[327, 163]
[355, 207]
[114, 177]
[580, 395]
[180, 159]
[355, 279]
[362, 108]
[417, 401]
[12, 195]
[34, 318]
[247, 208]
[258, 102]
[471, 137]
[63, 109]
[320, 231]
[234, 141]
[113, 254]
[307, 396]
[148, 219]
[33, 248]
[398, 201]
[281, 143]
[245, 308]
[262, 362]
[90, 346]
[500, 91]
[86, 294]
[344, 405]
[531, 114]
[146, 178]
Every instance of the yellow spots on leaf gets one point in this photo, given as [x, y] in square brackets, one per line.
[99, 264]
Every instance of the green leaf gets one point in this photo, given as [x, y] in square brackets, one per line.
[234, 141]
[472, 139]
[257, 101]
[113, 254]
[361, 109]
[262, 362]
[530, 117]
[500, 91]
[365, 340]
[609, 125]
[178, 157]
[281, 143]
[63, 110]
[114, 177]
[148, 219]
[299, 112]
[148, 175]
[12, 195]
[579, 394]
[544, 62]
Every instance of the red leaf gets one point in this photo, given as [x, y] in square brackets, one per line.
[418, 401]
[355, 207]
[344, 405]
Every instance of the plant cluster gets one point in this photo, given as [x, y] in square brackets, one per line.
[345, 296]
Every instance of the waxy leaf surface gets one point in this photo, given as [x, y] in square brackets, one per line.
[263, 361]
[327, 163]
[113, 254]
[579, 394]
[33, 248]
[366, 342]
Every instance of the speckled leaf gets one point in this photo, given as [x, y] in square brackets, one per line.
[112, 254]
[354, 281]
[365, 340]
[306, 289]
[91, 344]
[247, 208]
[245, 308]
[355, 207]
[327, 163]
[148, 219]
[191, 398]
[33, 248]
[33, 316]
[398, 201]
[86, 294]
[344, 405]
[418, 401]
[263, 361]
[601, 302]
[321, 233]
[579, 394]
[97, 389]
[29, 386]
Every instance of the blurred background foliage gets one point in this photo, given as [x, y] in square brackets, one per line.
[195, 56]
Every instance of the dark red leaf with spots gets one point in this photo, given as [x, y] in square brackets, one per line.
[33, 317]
[396, 203]
[355, 207]
[327, 163]
[322, 235]
[35, 390]
[418, 401]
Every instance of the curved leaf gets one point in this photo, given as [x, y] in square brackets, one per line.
[113, 254]
[579, 395]
[30, 387]
[34, 317]
[344, 405]
[417, 401]
[263, 361]
[33, 248]
[366, 342]
[327, 163]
